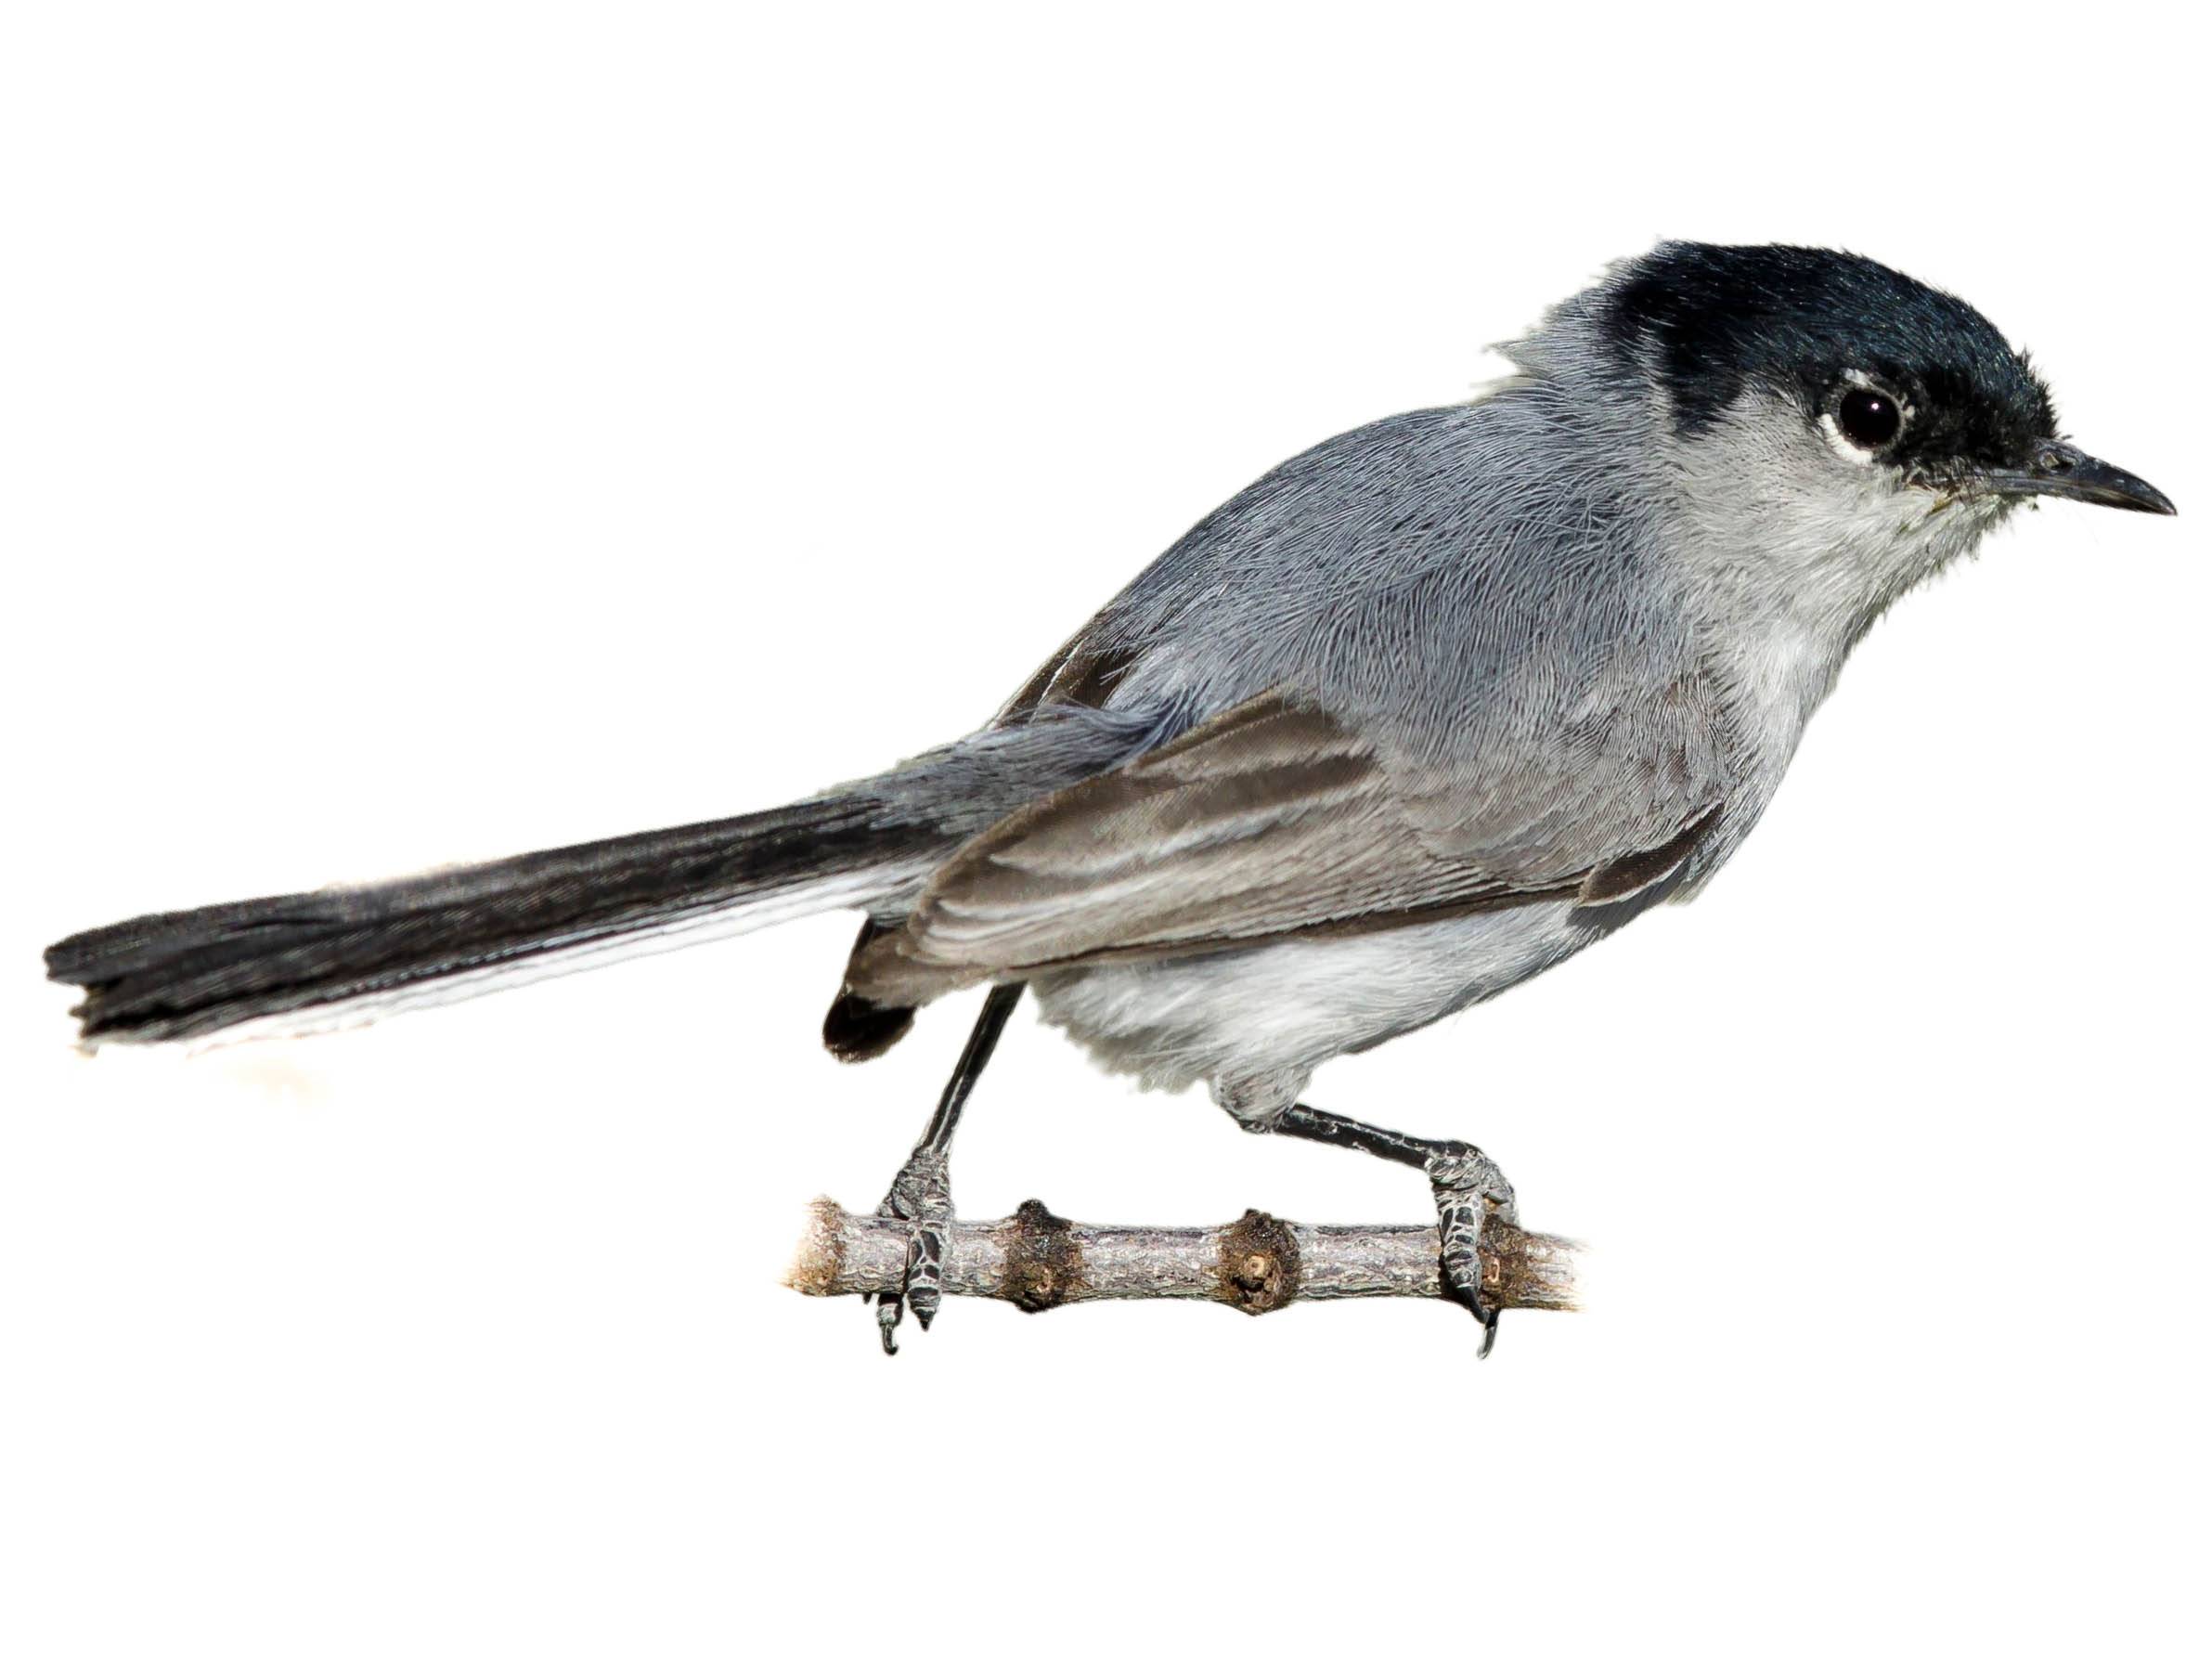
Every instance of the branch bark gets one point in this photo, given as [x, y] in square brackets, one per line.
[1256, 1264]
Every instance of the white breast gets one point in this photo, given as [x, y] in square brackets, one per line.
[1275, 1012]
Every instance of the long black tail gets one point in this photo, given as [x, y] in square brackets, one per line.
[364, 950]
[343, 954]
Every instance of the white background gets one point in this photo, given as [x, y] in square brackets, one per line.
[436, 432]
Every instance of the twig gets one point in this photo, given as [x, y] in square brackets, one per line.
[1259, 1264]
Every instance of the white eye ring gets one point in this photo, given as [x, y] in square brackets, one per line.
[1864, 419]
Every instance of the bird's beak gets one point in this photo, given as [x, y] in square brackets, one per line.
[2059, 469]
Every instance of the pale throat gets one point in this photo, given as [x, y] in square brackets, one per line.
[1784, 608]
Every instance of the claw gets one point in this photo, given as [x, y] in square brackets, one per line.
[922, 1196]
[926, 1266]
[1471, 1194]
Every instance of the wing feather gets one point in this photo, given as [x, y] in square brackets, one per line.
[1270, 818]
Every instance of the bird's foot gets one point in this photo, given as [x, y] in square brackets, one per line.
[1473, 1199]
[922, 1196]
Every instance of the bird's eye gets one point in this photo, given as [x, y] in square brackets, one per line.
[1870, 419]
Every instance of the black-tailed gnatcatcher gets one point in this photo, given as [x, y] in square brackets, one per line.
[1422, 712]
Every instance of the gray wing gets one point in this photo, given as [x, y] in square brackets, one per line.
[1270, 819]
[1431, 666]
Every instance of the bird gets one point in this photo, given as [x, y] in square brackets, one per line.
[1424, 711]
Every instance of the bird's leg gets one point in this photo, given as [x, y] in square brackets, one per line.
[921, 1194]
[1473, 1197]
